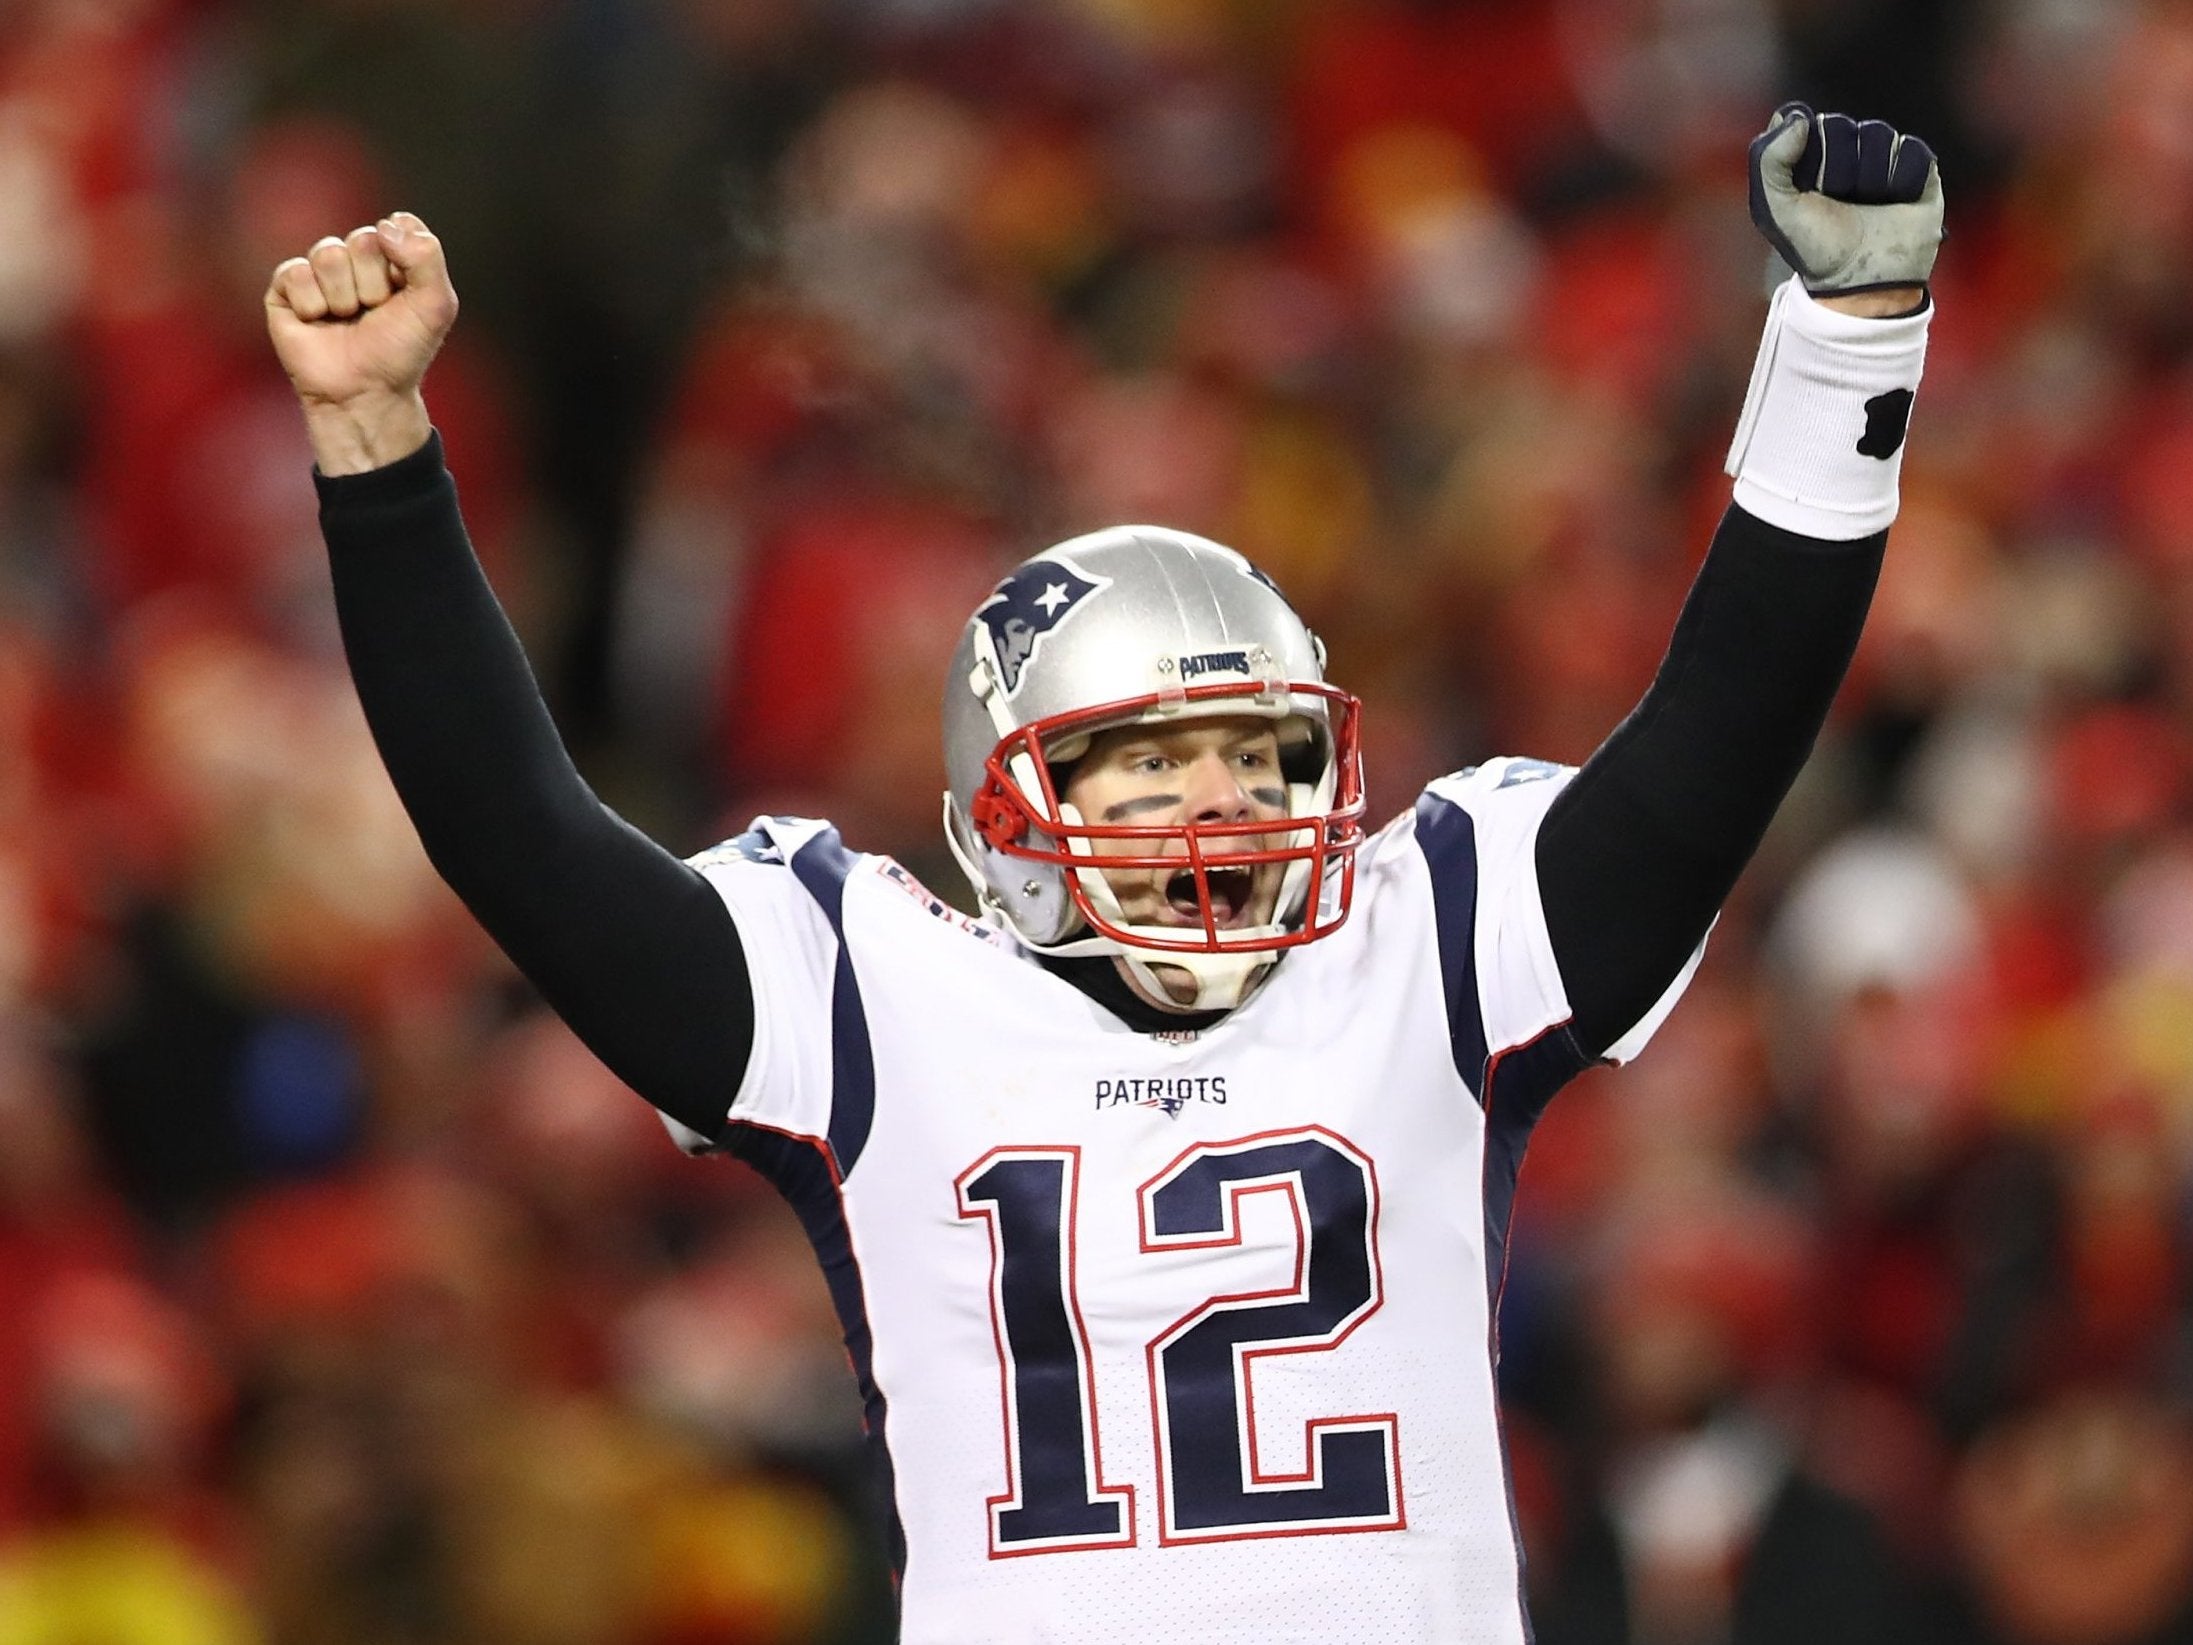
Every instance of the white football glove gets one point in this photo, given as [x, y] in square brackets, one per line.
[1851, 205]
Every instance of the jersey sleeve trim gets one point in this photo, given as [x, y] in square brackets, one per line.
[1448, 839]
[822, 867]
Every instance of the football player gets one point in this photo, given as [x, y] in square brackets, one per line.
[1174, 1311]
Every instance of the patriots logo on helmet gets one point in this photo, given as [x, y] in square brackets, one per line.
[1028, 605]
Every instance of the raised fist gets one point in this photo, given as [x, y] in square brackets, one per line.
[1851, 205]
[355, 323]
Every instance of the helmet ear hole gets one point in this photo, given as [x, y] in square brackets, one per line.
[1303, 764]
[1062, 757]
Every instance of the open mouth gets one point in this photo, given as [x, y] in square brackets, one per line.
[1230, 892]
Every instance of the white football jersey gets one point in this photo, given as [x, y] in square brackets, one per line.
[1172, 1337]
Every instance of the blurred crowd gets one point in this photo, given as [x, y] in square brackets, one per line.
[344, 1300]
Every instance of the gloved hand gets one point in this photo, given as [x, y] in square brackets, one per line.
[1851, 205]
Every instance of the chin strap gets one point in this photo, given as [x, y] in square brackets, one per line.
[1222, 981]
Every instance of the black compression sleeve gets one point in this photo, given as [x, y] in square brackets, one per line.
[1638, 853]
[629, 945]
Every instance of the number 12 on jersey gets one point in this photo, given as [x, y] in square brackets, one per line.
[1211, 1486]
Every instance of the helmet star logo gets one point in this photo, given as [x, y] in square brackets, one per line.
[1028, 605]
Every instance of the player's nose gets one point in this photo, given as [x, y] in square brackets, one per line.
[1214, 792]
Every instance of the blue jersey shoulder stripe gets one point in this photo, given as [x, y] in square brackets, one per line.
[809, 1176]
[821, 866]
[1448, 839]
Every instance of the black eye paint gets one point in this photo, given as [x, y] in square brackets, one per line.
[1273, 797]
[1139, 804]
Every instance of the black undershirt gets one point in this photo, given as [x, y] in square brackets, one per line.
[636, 952]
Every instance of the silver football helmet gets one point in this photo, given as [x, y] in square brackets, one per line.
[1140, 625]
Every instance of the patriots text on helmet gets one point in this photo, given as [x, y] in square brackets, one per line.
[1214, 662]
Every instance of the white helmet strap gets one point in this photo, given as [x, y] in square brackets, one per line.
[1221, 981]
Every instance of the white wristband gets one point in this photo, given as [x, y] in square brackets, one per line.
[1820, 443]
